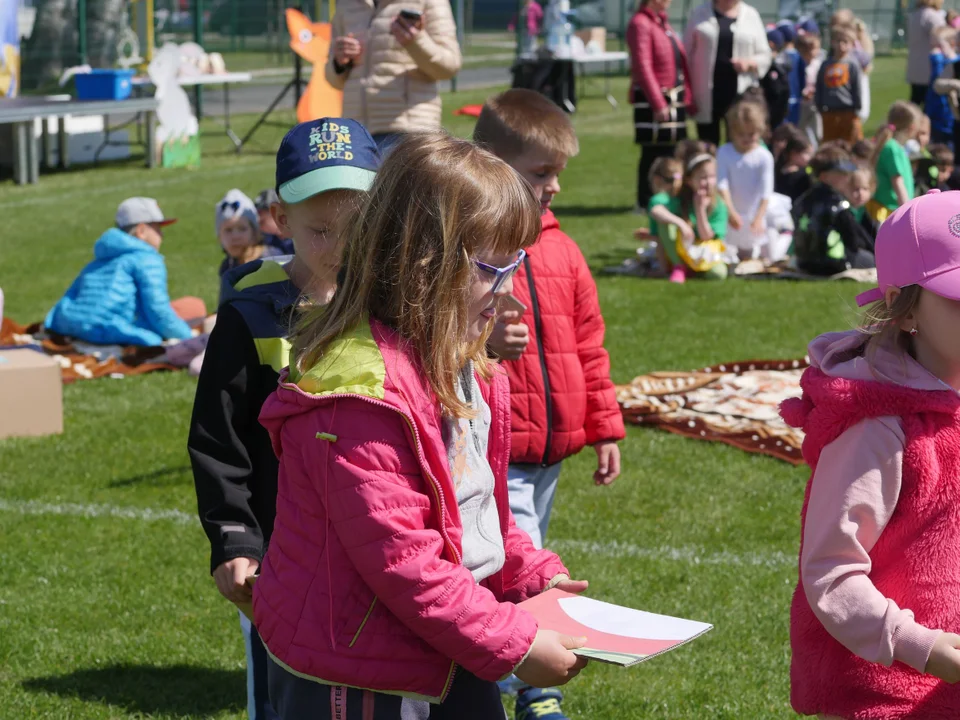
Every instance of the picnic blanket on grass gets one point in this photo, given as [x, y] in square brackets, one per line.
[734, 403]
[758, 270]
[83, 361]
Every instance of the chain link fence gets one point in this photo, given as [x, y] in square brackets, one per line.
[252, 34]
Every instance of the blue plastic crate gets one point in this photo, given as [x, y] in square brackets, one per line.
[104, 84]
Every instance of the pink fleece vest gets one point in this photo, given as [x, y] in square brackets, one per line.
[916, 561]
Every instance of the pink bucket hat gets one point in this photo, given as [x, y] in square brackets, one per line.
[919, 244]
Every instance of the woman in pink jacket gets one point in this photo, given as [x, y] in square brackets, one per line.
[393, 575]
[874, 617]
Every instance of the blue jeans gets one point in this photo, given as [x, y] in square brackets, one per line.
[532, 489]
[258, 700]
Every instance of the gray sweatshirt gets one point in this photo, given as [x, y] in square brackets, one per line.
[466, 442]
[838, 85]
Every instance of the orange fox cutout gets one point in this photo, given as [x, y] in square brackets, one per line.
[311, 41]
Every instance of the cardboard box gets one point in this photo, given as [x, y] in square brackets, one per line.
[31, 394]
[597, 35]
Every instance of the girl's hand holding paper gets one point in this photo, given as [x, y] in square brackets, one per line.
[549, 661]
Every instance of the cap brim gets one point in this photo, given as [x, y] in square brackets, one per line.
[870, 296]
[946, 285]
[333, 177]
[164, 223]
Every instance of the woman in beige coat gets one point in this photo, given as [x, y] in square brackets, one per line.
[388, 65]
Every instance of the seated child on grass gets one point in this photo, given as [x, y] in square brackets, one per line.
[666, 178]
[120, 298]
[745, 178]
[863, 183]
[693, 224]
[790, 170]
[828, 239]
[932, 168]
[238, 230]
[271, 232]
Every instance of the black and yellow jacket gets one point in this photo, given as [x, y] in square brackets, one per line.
[234, 467]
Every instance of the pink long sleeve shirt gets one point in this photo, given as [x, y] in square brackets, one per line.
[853, 495]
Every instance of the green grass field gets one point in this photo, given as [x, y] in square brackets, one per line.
[106, 606]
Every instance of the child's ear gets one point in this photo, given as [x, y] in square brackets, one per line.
[279, 214]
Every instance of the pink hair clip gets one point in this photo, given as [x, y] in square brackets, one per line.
[891, 127]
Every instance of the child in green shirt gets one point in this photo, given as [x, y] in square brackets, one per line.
[895, 184]
[693, 224]
[666, 179]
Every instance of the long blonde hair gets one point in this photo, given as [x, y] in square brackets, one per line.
[408, 259]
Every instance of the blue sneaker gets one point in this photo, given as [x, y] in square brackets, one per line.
[537, 704]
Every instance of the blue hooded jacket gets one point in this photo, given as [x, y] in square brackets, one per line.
[120, 298]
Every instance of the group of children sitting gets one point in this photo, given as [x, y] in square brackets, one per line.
[811, 189]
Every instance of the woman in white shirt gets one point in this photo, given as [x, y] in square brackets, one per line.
[728, 50]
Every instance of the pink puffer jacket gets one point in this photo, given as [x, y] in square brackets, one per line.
[363, 584]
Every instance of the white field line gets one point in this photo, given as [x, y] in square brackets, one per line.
[613, 548]
[33, 507]
[691, 555]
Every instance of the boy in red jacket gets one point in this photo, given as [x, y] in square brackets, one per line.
[562, 397]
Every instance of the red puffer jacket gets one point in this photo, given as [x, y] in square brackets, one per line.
[561, 394]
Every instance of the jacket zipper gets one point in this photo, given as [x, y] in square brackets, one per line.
[437, 489]
[538, 328]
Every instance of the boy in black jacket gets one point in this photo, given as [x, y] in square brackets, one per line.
[827, 238]
[323, 169]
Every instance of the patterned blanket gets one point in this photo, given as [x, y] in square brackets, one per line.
[734, 403]
[82, 361]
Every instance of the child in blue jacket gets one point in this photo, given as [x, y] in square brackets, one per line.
[121, 297]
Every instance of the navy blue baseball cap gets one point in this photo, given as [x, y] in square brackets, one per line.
[325, 154]
[775, 37]
[788, 31]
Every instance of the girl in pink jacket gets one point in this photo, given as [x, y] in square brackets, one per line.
[873, 619]
[391, 583]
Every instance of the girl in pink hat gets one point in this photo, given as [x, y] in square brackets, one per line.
[877, 606]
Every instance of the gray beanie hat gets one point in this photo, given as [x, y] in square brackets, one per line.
[236, 204]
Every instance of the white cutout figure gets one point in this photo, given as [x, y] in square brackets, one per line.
[174, 114]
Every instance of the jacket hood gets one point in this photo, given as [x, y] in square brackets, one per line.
[842, 355]
[115, 242]
[263, 281]
[353, 365]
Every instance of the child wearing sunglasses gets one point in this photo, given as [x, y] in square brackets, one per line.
[238, 231]
[562, 398]
[391, 582]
